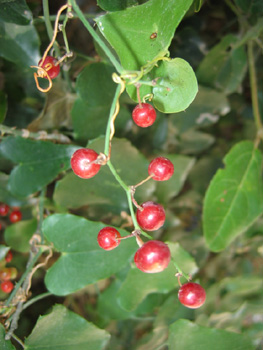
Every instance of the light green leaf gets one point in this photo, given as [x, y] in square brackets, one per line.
[187, 335]
[116, 5]
[3, 251]
[18, 235]
[132, 294]
[5, 344]
[234, 199]
[82, 261]
[176, 87]
[63, 329]
[39, 163]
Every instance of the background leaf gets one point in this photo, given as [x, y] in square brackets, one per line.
[3, 106]
[15, 11]
[234, 198]
[5, 344]
[18, 235]
[82, 261]
[65, 329]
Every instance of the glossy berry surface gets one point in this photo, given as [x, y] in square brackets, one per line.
[151, 217]
[192, 295]
[4, 209]
[49, 64]
[152, 257]
[7, 286]
[162, 169]
[144, 115]
[108, 238]
[15, 216]
[9, 256]
[82, 163]
[8, 273]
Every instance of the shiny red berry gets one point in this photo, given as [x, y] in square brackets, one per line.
[83, 163]
[162, 169]
[15, 216]
[192, 295]
[50, 65]
[7, 286]
[9, 256]
[144, 115]
[152, 257]
[151, 217]
[4, 209]
[108, 238]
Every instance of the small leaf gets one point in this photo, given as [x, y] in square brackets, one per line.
[15, 11]
[82, 261]
[39, 163]
[234, 199]
[132, 294]
[176, 87]
[17, 236]
[5, 344]
[63, 329]
[187, 335]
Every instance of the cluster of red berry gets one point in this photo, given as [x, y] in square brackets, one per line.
[7, 274]
[15, 214]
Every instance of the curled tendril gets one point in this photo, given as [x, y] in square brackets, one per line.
[117, 79]
[42, 73]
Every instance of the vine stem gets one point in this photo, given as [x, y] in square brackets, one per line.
[95, 36]
[253, 85]
[180, 272]
[49, 25]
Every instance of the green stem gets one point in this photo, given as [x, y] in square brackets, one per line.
[41, 213]
[179, 270]
[35, 299]
[52, 18]
[253, 85]
[95, 36]
[49, 25]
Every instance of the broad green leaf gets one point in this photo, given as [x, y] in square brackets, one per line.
[132, 294]
[224, 67]
[129, 31]
[176, 87]
[63, 329]
[194, 142]
[165, 190]
[116, 5]
[234, 199]
[82, 261]
[39, 163]
[187, 335]
[18, 235]
[5, 344]
[15, 11]
[3, 106]
[74, 192]
[19, 44]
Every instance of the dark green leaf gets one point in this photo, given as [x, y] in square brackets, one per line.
[251, 6]
[15, 11]
[5, 344]
[18, 235]
[234, 199]
[82, 261]
[39, 163]
[3, 106]
[187, 335]
[176, 87]
[194, 142]
[63, 329]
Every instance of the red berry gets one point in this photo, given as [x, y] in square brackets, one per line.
[192, 295]
[152, 257]
[9, 256]
[82, 163]
[15, 216]
[7, 286]
[144, 115]
[4, 209]
[108, 238]
[162, 169]
[151, 217]
[49, 64]
[8, 273]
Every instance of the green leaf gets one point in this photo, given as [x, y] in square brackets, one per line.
[234, 199]
[165, 190]
[15, 11]
[18, 235]
[5, 344]
[194, 142]
[19, 44]
[224, 67]
[3, 106]
[3, 251]
[176, 87]
[5, 195]
[116, 5]
[250, 7]
[132, 294]
[63, 329]
[129, 31]
[82, 261]
[39, 163]
[74, 192]
[184, 334]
